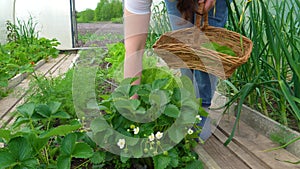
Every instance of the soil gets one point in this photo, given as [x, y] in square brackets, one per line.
[99, 33]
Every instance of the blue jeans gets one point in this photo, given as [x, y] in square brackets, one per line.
[204, 83]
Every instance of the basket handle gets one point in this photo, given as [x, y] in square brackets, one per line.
[201, 15]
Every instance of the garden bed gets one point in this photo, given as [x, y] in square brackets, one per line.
[16, 80]
[20, 84]
[242, 152]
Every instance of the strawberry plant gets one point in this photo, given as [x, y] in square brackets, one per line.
[38, 138]
[45, 136]
[23, 50]
[158, 129]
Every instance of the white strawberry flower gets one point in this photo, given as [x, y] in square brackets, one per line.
[121, 143]
[190, 131]
[159, 135]
[199, 117]
[151, 137]
[136, 130]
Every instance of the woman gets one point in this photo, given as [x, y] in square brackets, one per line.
[136, 23]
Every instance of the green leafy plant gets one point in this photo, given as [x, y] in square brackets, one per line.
[116, 55]
[34, 140]
[159, 94]
[25, 36]
[115, 59]
[49, 89]
[56, 138]
[219, 48]
[19, 153]
[53, 138]
[70, 148]
[23, 50]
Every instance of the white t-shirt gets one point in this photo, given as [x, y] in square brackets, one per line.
[138, 6]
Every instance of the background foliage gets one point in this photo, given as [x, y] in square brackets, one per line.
[106, 10]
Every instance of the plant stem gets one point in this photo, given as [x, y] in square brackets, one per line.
[31, 125]
[283, 111]
[263, 104]
[48, 124]
[82, 164]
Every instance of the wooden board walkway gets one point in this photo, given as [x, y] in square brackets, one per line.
[245, 151]
[53, 67]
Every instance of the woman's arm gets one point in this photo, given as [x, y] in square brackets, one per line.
[208, 4]
[135, 33]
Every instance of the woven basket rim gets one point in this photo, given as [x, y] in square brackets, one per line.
[247, 51]
[169, 42]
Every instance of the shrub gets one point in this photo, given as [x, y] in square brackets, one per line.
[107, 10]
[86, 16]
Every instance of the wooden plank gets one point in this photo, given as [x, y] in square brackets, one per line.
[20, 92]
[16, 99]
[208, 161]
[222, 155]
[51, 65]
[8, 103]
[260, 123]
[251, 141]
[64, 66]
[267, 127]
[247, 157]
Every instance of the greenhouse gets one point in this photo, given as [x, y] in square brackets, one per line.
[149, 85]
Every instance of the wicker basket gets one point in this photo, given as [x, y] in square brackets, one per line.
[182, 48]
